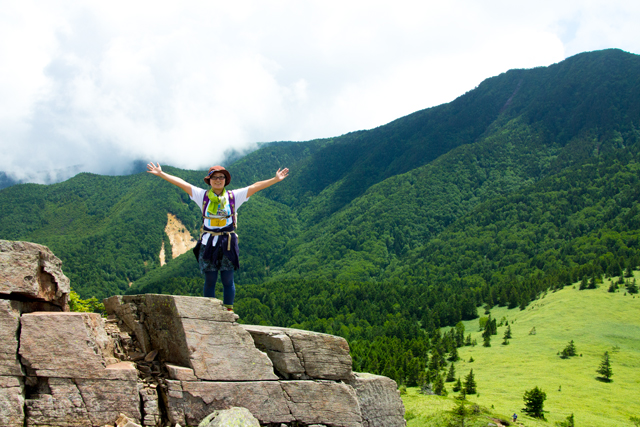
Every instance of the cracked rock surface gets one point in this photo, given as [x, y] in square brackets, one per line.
[160, 360]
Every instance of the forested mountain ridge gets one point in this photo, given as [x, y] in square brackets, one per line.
[363, 206]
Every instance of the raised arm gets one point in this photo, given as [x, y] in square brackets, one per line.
[178, 182]
[261, 185]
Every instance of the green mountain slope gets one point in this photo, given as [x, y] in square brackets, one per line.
[369, 205]
[596, 320]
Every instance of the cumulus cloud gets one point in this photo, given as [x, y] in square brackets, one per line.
[94, 86]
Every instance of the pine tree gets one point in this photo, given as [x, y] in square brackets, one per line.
[534, 402]
[438, 387]
[569, 350]
[453, 356]
[605, 368]
[470, 385]
[569, 422]
[583, 283]
[451, 374]
[460, 414]
[507, 333]
[632, 288]
[486, 335]
[457, 386]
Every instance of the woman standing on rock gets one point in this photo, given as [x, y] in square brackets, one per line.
[217, 249]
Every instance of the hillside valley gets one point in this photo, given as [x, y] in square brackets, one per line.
[519, 188]
[596, 320]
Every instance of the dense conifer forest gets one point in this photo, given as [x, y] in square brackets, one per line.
[527, 183]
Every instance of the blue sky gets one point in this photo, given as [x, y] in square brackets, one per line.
[92, 86]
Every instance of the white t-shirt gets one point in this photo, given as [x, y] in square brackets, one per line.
[197, 195]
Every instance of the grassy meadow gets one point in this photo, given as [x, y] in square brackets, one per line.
[595, 319]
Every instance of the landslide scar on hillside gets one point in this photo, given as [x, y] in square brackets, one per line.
[180, 239]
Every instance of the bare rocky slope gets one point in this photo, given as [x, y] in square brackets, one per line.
[165, 360]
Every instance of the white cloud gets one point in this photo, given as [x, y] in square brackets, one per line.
[93, 86]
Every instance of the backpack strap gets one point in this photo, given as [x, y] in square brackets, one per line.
[232, 205]
[205, 203]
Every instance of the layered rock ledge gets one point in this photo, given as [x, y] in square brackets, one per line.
[164, 360]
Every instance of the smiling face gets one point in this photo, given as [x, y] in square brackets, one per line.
[217, 181]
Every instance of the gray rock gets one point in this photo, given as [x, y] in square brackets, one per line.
[124, 421]
[66, 402]
[9, 324]
[295, 352]
[11, 401]
[128, 313]
[379, 400]
[180, 373]
[323, 402]
[200, 334]
[68, 345]
[271, 402]
[232, 417]
[32, 271]
[191, 401]
[151, 407]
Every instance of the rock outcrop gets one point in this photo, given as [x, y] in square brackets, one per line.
[161, 359]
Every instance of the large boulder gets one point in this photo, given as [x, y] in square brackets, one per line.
[65, 402]
[306, 402]
[300, 354]
[379, 400]
[199, 333]
[323, 402]
[72, 379]
[68, 345]
[32, 271]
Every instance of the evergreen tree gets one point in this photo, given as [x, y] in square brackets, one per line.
[507, 333]
[612, 287]
[592, 283]
[605, 368]
[569, 422]
[470, 385]
[451, 374]
[569, 350]
[534, 402]
[453, 356]
[460, 414]
[467, 340]
[486, 337]
[438, 387]
[457, 386]
[632, 288]
[583, 283]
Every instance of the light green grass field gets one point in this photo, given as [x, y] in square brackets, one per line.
[596, 320]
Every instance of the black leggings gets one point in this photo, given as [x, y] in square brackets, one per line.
[210, 279]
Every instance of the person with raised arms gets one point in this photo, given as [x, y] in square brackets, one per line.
[217, 248]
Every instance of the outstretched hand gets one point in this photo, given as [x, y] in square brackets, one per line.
[282, 174]
[154, 169]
